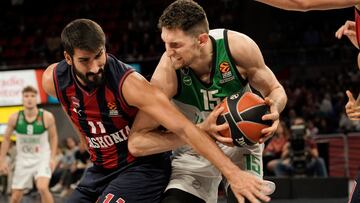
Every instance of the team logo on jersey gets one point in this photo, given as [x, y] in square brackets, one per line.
[187, 80]
[76, 103]
[112, 109]
[225, 71]
[39, 121]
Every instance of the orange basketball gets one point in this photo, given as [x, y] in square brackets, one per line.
[243, 113]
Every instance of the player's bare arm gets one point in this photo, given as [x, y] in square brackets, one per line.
[250, 63]
[51, 127]
[5, 144]
[153, 102]
[145, 139]
[49, 87]
[48, 80]
[306, 5]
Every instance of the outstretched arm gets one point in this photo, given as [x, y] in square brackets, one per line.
[139, 93]
[306, 5]
[51, 127]
[145, 138]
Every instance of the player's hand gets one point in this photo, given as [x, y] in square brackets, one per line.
[4, 167]
[245, 185]
[352, 110]
[209, 126]
[349, 30]
[274, 117]
[52, 165]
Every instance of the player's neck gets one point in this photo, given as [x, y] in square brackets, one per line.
[31, 113]
[203, 65]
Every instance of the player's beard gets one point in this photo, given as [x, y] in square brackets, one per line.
[97, 78]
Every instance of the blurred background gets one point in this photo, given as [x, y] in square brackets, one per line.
[314, 67]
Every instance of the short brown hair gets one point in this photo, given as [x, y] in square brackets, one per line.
[29, 89]
[83, 34]
[186, 15]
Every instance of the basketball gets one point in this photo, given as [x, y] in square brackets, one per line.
[243, 112]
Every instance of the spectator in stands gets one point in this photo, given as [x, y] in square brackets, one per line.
[273, 149]
[308, 162]
[67, 164]
[82, 162]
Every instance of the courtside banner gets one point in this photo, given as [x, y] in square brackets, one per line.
[12, 83]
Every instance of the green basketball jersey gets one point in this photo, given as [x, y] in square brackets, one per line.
[31, 138]
[197, 99]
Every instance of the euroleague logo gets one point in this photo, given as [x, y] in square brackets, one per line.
[112, 109]
[225, 71]
[224, 67]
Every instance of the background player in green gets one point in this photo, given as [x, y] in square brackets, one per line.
[198, 70]
[35, 152]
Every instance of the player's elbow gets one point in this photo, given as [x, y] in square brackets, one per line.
[134, 146]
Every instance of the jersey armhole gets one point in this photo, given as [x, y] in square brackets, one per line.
[232, 61]
[55, 82]
[178, 89]
[121, 96]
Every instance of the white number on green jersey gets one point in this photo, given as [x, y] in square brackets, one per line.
[209, 100]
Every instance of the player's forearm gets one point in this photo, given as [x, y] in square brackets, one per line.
[205, 146]
[5, 144]
[306, 5]
[278, 96]
[53, 145]
[152, 142]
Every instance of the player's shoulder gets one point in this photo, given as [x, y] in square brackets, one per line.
[47, 114]
[49, 70]
[13, 118]
[238, 37]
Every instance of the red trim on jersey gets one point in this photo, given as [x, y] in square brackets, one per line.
[92, 111]
[357, 25]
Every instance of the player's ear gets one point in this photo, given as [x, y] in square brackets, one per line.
[203, 39]
[67, 58]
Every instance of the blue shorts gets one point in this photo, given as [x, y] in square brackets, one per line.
[141, 181]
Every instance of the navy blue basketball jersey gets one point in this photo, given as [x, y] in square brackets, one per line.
[102, 116]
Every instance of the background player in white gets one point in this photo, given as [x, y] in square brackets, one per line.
[35, 152]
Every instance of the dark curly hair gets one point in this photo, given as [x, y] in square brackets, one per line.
[186, 15]
[83, 34]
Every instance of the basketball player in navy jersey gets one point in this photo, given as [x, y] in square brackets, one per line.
[190, 72]
[101, 96]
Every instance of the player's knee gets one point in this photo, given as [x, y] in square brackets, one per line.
[16, 197]
[42, 187]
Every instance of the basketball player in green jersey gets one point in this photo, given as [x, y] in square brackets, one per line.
[198, 70]
[35, 152]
